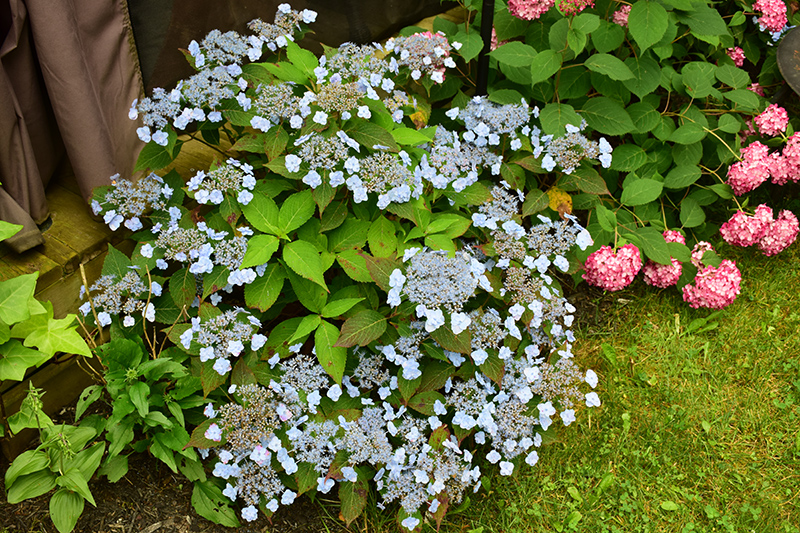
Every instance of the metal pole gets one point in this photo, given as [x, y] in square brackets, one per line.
[487, 21]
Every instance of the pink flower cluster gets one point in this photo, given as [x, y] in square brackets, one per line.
[745, 230]
[612, 271]
[737, 54]
[772, 121]
[495, 43]
[573, 7]
[756, 88]
[751, 171]
[714, 287]
[758, 165]
[663, 276]
[620, 16]
[773, 14]
[529, 9]
[780, 234]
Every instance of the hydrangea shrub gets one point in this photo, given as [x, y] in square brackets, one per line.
[365, 287]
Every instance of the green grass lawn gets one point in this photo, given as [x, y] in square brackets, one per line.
[698, 430]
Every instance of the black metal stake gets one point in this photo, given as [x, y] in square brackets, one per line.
[487, 21]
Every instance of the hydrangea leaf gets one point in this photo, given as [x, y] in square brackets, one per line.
[332, 358]
[610, 66]
[286, 72]
[515, 54]
[264, 291]
[354, 264]
[646, 75]
[692, 215]
[303, 258]
[422, 402]
[304, 60]
[653, 245]
[647, 23]
[362, 328]
[371, 135]
[295, 211]
[555, 117]
[608, 36]
[641, 191]
[544, 65]
[208, 501]
[262, 213]
[259, 250]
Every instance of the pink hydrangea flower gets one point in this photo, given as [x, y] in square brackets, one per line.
[779, 168]
[780, 234]
[737, 54]
[714, 287]
[529, 9]
[495, 43]
[744, 230]
[620, 16]
[791, 157]
[573, 7]
[663, 276]
[756, 88]
[773, 14]
[612, 271]
[751, 171]
[772, 121]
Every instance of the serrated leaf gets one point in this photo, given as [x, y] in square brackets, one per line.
[410, 137]
[262, 213]
[370, 135]
[646, 76]
[361, 329]
[264, 291]
[609, 65]
[641, 192]
[208, 501]
[353, 496]
[747, 100]
[689, 133]
[644, 117]
[295, 211]
[606, 218]
[544, 65]
[381, 268]
[682, 176]
[354, 264]
[729, 124]
[259, 250]
[554, 117]
[653, 245]
[628, 157]
[332, 358]
[339, 307]
[647, 23]
[422, 402]
[153, 157]
[608, 36]
[352, 234]
[312, 296]
[286, 72]
[607, 116]
[535, 201]
[304, 260]
[734, 77]
[471, 44]
[692, 214]
[515, 54]
[382, 238]
[303, 59]
[307, 324]
[275, 141]
[703, 19]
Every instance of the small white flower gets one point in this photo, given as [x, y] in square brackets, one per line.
[506, 468]
[320, 117]
[459, 322]
[292, 163]
[591, 378]
[592, 400]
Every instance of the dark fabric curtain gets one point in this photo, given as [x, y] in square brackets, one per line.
[68, 74]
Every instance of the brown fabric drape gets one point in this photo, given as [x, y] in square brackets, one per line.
[68, 74]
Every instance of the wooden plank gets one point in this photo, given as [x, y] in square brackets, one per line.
[72, 224]
[28, 262]
[65, 294]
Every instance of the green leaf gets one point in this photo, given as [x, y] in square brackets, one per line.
[153, 157]
[698, 78]
[339, 307]
[723, 190]
[381, 268]
[692, 215]
[332, 358]
[653, 245]
[308, 324]
[647, 23]
[362, 328]
[734, 77]
[304, 259]
[535, 201]
[30, 486]
[382, 238]
[461, 343]
[682, 176]
[311, 295]
[14, 296]
[352, 234]
[669, 506]
[139, 392]
[689, 133]
[515, 54]
[644, 117]
[259, 250]
[585, 179]
[410, 137]
[609, 65]
[606, 218]
[8, 229]
[264, 291]
[286, 72]
[729, 124]
[641, 192]
[607, 116]
[26, 463]
[17, 359]
[646, 75]
[371, 135]
[545, 65]
[471, 44]
[65, 508]
[183, 288]
[303, 59]
[554, 117]
[275, 141]
[702, 20]
[628, 157]
[422, 402]
[505, 96]
[607, 37]
[353, 497]
[115, 468]
[262, 213]
[208, 501]
[295, 211]
[746, 100]
[74, 480]
[354, 264]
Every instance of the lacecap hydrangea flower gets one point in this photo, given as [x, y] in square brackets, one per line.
[612, 271]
